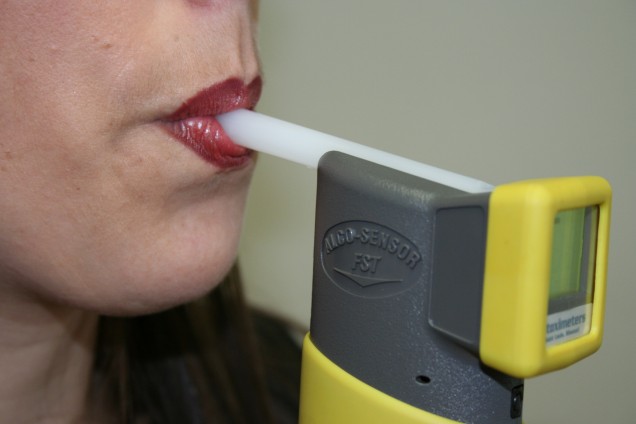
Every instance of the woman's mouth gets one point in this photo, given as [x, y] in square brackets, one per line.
[194, 123]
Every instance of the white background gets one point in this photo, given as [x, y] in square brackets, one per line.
[497, 90]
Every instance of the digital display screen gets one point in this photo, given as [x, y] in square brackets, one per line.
[572, 274]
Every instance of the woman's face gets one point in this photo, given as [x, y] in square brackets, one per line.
[118, 193]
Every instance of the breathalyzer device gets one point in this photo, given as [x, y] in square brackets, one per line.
[435, 295]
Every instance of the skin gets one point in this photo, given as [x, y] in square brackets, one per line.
[102, 212]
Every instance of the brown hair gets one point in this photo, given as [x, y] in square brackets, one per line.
[198, 363]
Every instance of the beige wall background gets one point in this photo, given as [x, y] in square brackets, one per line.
[497, 90]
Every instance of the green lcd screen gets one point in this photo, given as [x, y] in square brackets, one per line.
[572, 274]
[573, 249]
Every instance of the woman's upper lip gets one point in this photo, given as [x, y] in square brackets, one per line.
[221, 97]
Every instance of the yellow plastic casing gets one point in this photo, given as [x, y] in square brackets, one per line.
[517, 274]
[329, 395]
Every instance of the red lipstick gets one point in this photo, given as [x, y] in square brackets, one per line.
[194, 123]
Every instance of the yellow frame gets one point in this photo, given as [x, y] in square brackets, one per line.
[517, 274]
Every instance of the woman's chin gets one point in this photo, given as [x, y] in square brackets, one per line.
[142, 298]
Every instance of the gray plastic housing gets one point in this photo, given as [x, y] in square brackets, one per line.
[396, 298]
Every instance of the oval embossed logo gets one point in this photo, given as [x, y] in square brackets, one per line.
[369, 259]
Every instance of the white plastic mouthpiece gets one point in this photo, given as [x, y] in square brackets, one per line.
[306, 146]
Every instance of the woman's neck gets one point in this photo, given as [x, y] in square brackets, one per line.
[46, 357]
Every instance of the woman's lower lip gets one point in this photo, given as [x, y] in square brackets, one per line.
[205, 136]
